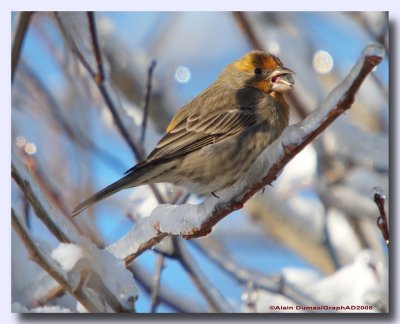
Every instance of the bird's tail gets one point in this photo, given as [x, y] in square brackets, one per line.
[122, 183]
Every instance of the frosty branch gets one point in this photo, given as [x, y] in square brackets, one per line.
[198, 220]
[91, 269]
[50, 266]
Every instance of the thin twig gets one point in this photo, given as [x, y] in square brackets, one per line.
[25, 18]
[136, 149]
[74, 134]
[155, 292]
[52, 194]
[361, 19]
[215, 299]
[73, 47]
[165, 294]
[37, 206]
[27, 215]
[248, 277]
[96, 48]
[328, 241]
[382, 222]
[380, 85]
[147, 100]
[100, 81]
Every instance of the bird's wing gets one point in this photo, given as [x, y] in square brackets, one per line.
[198, 131]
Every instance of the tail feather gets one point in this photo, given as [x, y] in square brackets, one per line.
[141, 174]
[122, 183]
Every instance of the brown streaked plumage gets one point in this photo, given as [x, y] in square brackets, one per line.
[212, 140]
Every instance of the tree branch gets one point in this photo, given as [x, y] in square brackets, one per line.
[36, 201]
[104, 88]
[382, 222]
[96, 49]
[155, 292]
[98, 78]
[276, 284]
[24, 20]
[198, 220]
[166, 295]
[55, 110]
[215, 299]
[146, 100]
[50, 266]
[107, 281]
[247, 30]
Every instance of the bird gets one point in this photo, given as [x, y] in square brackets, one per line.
[212, 140]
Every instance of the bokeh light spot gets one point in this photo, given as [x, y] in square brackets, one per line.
[20, 141]
[322, 62]
[30, 148]
[182, 74]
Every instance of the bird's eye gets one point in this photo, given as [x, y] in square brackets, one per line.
[257, 71]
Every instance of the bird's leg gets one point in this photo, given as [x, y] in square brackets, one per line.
[213, 193]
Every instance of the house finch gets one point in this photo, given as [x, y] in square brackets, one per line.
[212, 141]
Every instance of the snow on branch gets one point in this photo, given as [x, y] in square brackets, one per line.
[198, 220]
[96, 279]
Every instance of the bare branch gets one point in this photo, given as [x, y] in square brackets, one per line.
[328, 241]
[96, 48]
[24, 20]
[146, 100]
[36, 202]
[102, 86]
[215, 299]
[105, 91]
[198, 220]
[166, 296]
[382, 222]
[74, 47]
[247, 29]
[76, 135]
[155, 298]
[275, 284]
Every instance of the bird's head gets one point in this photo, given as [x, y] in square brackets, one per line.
[264, 72]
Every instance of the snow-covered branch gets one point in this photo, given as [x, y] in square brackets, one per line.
[96, 279]
[198, 220]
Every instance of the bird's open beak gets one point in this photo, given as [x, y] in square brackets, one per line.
[281, 79]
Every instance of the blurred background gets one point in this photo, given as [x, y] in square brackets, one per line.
[311, 239]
